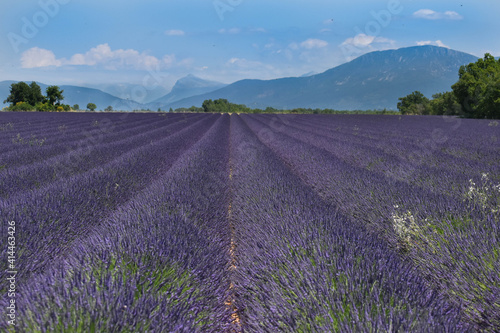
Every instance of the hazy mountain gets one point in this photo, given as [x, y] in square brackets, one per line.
[373, 81]
[309, 74]
[186, 87]
[81, 96]
[134, 92]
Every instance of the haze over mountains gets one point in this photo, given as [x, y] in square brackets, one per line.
[184, 88]
[373, 81]
[81, 96]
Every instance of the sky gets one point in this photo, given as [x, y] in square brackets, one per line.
[152, 43]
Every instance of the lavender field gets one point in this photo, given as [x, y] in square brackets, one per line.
[249, 223]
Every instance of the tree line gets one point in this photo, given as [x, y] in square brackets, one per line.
[24, 97]
[222, 105]
[476, 94]
[29, 97]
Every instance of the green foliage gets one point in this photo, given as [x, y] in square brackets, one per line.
[91, 106]
[24, 97]
[35, 94]
[21, 106]
[478, 88]
[76, 107]
[414, 104]
[44, 107]
[445, 104]
[223, 106]
[109, 109]
[19, 92]
[54, 95]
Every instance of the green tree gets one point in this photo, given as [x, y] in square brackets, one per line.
[19, 92]
[108, 109]
[445, 104]
[91, 106]
[54, 95]
[35, 94]
[76, 107]
[414, 104]
[208, 105]
[478, 88]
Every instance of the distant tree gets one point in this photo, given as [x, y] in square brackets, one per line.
[91, 106]
[222, 105]
[478, 88]
[207, 105]
[170, 110]
[108, 109]
[35, 94]
[54, 95]
[19, 92]
[414, 104]
[76, 107]
[445, 104]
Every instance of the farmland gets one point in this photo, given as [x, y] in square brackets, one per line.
[255, 223]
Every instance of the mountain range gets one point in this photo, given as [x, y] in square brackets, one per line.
[184, 88]
[372, 81]
[81, 96]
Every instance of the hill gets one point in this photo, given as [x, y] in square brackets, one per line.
[186, 87]
[81, 96]
[373, 81]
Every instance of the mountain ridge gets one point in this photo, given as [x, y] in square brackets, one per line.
[374, 80]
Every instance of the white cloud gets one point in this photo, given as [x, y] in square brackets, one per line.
[308, 44]
[37, 57]
[114, 59]
[453, 15]
[429, 14]
[313, 44]
[429, 42]
[175, 33]
[101, 55]
[363, 41]
[243, 63]
[360, 40]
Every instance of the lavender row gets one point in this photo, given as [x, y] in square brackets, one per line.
[25, 149]
[452, 234]
[303, 266]
[37, 175]
[427, 164]
[158, 263]
[55, 215]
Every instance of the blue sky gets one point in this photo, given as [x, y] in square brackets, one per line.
[155, 42]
